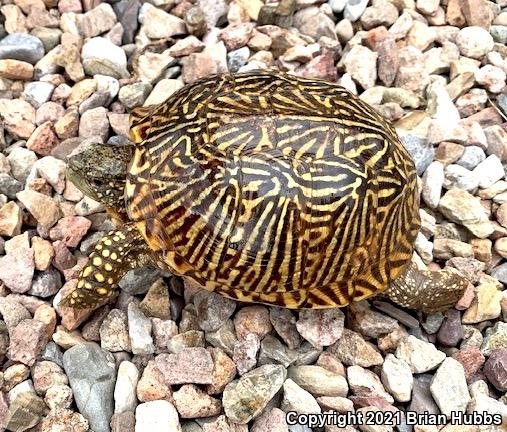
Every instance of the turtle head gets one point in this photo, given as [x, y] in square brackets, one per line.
[100, 172]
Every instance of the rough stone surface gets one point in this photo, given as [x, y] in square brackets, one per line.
[91, 373]
[244, 399]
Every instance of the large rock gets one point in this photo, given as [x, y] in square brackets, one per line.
[421, 356]
[91, 372]
[449, 387]
[245, 398]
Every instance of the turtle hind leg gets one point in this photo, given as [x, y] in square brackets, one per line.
[427, 291]
[114, 255]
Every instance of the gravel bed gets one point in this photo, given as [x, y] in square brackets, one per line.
[169, 357]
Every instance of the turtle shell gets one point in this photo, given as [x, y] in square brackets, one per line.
[270, 188]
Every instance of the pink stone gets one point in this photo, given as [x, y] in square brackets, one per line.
[27, 341]
[70, 230]
[43, 139]
[17, 269]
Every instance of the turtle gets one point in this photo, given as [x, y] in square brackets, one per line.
[264, 187]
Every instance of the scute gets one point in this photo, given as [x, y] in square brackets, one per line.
[276, 189]
[140, 123]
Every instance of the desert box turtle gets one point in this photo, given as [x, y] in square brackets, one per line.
[263, 187]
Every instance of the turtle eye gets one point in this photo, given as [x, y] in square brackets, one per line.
[97, 183]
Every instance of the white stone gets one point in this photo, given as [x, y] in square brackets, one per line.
[449, 387]
[100, 56]
[158, 24]
[474, 42]
[397, 378]
[432, 182]
[139, 331]
[440, 105]
[354, 9]
[489, 171]
[23, 387]
[163, 89]
[459, 177]
[157, 416]
[460, 206]
[298, 399]
[125, 398]
[337, 6]
[361, 63]
[53, 171]
[491, 77]
[421, 356]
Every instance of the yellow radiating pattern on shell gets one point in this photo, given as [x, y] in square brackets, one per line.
[266, 187]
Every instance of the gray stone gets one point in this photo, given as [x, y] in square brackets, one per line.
[9, 186]
[52, 352]
[91, 373]
[273, 349]
[46, 283]
[139, 281]
[50, 37]
[133, 95]
[21, 46]
[499, 33]
[213, 310]
[421, 151]
[500, 273]
[472, 156]
[432, 182]
[237, 58]
[284, 323]
[38, 92]
[422, 401]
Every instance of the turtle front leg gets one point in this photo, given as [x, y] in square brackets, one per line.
[427, 291]
[115, 254]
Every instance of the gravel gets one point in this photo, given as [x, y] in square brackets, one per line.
[170, 357]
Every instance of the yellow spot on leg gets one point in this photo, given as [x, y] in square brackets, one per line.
[80, 284]
[99, 277]
[102, 291]
[108, 267]
[107, 242]
[114, 256]
[105, 253]
[87, 271]
[97, 261]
